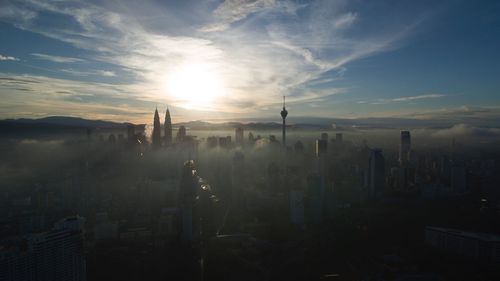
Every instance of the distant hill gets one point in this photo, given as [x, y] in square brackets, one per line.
[63, 121]
[66, 124]
[49, 127]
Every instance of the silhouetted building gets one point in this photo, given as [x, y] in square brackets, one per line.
[239, 135]
[187, 194]
[478, 246]
[54, 255]
[181, 134]
[404, 147]
[156, 134]
[376, 173]
[321, 148]
[168, 128]
[197, 206]
[284, 113]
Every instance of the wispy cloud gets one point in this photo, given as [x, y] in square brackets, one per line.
[230, 11]
[403, 99]
[43, 96]
[6, 58]
[58, 59]
[105, 73]
[421, 97]
[261, 49]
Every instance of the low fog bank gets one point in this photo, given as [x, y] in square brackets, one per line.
[28, 160]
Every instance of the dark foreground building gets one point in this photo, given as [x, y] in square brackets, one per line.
[56, 255]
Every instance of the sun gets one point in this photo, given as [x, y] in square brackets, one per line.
[195, 86]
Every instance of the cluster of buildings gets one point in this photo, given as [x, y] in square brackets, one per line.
[57, 254]
[307, 181]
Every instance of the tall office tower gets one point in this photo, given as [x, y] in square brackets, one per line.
[239, 135]
[376, 173]
[284, 113]
[54, 255]
[322, 167]
[181, 134]
[321, 148]
[168, 128]
[197, 206]
[187, 196]
[404, 147]
[156, 135]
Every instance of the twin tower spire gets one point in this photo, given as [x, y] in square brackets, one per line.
[167, 127]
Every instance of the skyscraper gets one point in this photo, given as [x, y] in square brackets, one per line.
[321, 148]
[168, 128]
[238, 138]
[181, 134]
[284, 113]
[57, 254]
[376, 173]
[156, 135]
[404, 147]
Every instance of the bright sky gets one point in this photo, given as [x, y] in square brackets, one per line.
[118, 60]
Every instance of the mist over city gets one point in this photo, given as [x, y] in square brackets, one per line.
[249, 140]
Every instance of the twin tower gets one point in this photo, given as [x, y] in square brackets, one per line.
[167, 139]
[156, 135]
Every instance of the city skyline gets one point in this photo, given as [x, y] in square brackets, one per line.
[222, 60]
[249, 139]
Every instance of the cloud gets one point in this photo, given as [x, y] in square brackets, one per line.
[405, 99]
[105, 73]
[6, 58]
[230, 11]
[260, 49]
[58, 59]
[49, 96]
[464, 130]
[421, 97]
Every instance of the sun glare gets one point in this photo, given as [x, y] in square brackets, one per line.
[195, 85]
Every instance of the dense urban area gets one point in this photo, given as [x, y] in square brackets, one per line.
[139, 204]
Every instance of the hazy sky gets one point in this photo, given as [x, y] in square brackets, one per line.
[117, 60]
